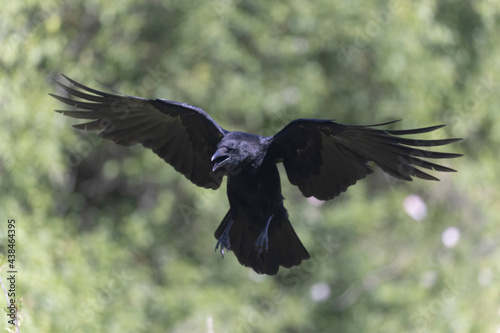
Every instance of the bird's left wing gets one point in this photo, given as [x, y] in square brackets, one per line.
[181, 134]
[323, 158]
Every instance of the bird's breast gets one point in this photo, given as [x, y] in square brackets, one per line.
[263, 186]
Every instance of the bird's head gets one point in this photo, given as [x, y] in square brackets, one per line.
[239, 151]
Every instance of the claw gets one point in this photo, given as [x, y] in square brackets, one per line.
[223, 240]
[263, 239]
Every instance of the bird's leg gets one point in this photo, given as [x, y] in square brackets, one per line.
[262, 240]
[223, 240]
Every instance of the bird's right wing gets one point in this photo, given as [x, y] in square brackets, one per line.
[181, 134]
[323, 158]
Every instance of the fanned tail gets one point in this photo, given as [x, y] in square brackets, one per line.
[284, 246]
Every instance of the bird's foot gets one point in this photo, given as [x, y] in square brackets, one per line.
[223, 240]
[263, 239]
[262, 242]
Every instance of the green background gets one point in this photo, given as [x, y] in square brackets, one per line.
[111, 239]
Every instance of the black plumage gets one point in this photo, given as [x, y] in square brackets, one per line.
[323, 158]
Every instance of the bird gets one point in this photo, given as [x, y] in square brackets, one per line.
[320, 156]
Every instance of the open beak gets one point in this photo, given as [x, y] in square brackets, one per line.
[220, 160]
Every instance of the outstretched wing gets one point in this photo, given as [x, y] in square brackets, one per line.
[183, 135]
[323, 158]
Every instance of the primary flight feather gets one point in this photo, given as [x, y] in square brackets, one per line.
[323, 158]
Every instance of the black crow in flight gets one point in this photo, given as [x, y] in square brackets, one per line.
[323, 158]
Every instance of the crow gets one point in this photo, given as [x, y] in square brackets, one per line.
[322, 157]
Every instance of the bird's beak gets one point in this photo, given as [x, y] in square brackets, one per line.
[220, 160]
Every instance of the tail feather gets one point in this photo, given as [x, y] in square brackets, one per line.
[284, 246]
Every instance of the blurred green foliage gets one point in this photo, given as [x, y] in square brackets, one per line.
[111, 239]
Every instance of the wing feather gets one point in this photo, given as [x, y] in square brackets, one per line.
[323, 158]
[183, 135]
